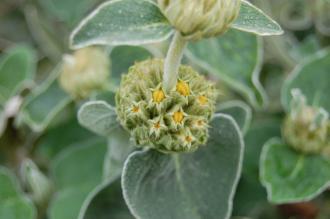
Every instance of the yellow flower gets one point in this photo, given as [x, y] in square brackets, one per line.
[158, 95]
[183, 88]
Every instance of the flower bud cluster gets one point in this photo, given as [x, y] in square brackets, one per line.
[196, 19]
[306, 128]
[174, 121]
[85, 72]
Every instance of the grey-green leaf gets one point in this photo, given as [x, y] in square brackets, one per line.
[290, 176]
[186, 186]
[105, 202]
[252, 19]
[73, 186]
[119, 147]
[122, 22]
[68, 10]
[251, 195]
[13, 203]
[99, 117]
[312, 78]
[44, 103]
[17, 69]
[123, 57]
[240, 111]
[234, 58]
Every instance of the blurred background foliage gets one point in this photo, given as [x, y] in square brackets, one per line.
[34, 35]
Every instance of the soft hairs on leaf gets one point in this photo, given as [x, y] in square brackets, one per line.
[290, 176]
[122, 22]
[98, 116]
[187, 186]
[252, 19]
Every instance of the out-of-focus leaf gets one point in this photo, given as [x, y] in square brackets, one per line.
[64, 135]
[234, 58]
[305, 48]
[99, 117]
[240, 111]
[3, 121]
[123, 57]
[251, 197]
[77, 171]
[290, 176]
[312, 78]
[105, 202]
[252, 19]
[122, 22]
[17, 69]
[13, 203]
[119, 147]
[195, 185]
[37, 184]
[44, 103]
[69, 11]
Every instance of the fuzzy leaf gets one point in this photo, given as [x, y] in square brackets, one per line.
[122, 22]
[290, 176]
[17, 69]
[119, 147]
[74, 186]
[235, 58]
[240, 111]
[251, 195]
[99, 117]
[186, 186]
[68, 10]
[311, 77]
[106, 201]
[252, 19]
[44, 103]
[62, 136]
[13, 203]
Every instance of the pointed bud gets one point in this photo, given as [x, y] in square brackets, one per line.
[85, 72]
[306, 128]
[36, 183]
[197, 19]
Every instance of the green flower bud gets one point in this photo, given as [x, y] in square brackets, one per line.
[85, 72]
[197, 19]
[306, 128]
[174, 121]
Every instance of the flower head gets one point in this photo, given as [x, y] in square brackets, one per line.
[171, 121]
[306, 128]
[84, 72]
[197, 19]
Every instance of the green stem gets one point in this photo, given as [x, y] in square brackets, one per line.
[173, 61]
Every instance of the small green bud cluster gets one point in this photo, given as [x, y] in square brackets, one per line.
[197, 19]
[307, 129]
[174, 121]
[85, 72]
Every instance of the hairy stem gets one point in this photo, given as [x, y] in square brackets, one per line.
[173, 61]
